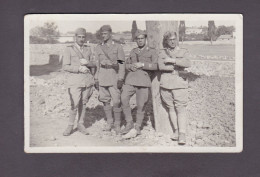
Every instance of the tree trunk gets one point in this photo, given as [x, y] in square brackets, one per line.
[155, 31]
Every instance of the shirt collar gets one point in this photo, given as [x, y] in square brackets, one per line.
[109, 42]
[80, 48]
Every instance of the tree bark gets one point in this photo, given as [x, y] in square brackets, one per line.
[155, 31]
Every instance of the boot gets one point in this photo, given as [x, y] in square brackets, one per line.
[129, 120]
[138, 129]
[108, 113]
[128, 127]
[82, 129]
[175, 135]
[117, 116]
[182, 139]
[139, 118]
[68, 130]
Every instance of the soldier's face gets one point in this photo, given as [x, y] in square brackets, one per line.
[141, 40]
[80, 39]
[172, 42]
[105, 35]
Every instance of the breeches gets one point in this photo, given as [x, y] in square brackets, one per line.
[141, 96]
[108, 93]
[79, 95]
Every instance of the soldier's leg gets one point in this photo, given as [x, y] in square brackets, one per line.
[127, 92]
[167, 98]
[115, 95]
[86, 93]
[75, 95]
[104, 96]
[180, 101]
[141, 100]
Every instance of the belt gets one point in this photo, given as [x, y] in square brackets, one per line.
[109, 66]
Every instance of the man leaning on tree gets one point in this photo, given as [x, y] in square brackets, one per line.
[77, 61]
[174, 84]
[109, 77]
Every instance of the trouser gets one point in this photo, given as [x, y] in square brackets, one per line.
[141, 100]
[176, 101]
[106, 94]
[78, 99]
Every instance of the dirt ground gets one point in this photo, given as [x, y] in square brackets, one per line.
[209, 122]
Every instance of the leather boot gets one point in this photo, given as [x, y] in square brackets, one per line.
[182, 139]
[68, 130]
[108, 113]
[129, 126]
[139, 118]
[129, 120]
[82, 129]
[117, 116]
[138, 129]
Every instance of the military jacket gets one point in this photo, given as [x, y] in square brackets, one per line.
[171, 77]
[114, 51]
[71, 63]
[141, 77]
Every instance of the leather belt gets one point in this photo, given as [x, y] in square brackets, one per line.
[108, 66]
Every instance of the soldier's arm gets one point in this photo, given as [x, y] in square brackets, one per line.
[121, 56]
[128, 63]
[185, 61]
[162, 66]
[154, 64]
[97, 63]
[67, 63]
[91, 63]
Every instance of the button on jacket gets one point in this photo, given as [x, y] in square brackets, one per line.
[141, 77]
[108, 76]
[171, 77]
[71, 63]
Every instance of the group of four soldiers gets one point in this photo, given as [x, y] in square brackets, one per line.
[108, 75]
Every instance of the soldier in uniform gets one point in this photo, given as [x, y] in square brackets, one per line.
[142, 60]
[109, 77]
[173, 83]
[77, 61]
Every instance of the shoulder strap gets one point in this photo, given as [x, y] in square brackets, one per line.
[101, 47]
[77, 51]
[167, 53]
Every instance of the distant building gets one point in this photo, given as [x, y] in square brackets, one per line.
[66, 38]
[225, 37]
[193, 30]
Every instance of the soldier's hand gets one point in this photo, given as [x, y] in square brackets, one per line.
[83, 69]
[138, 65]
[96, 85]
[133, 68]
[120, 84]
[83, 61]
[170, 60]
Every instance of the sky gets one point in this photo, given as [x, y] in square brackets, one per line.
[117, 26]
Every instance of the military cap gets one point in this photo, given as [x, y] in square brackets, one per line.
[80, 31]
[106, 28]
[140, 32]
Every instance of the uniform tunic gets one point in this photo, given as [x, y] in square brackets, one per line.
[171, 74]
[109, 77]
[140, 77]
[71, 63]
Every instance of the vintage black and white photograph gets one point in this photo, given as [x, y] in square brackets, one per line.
[133, 83]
